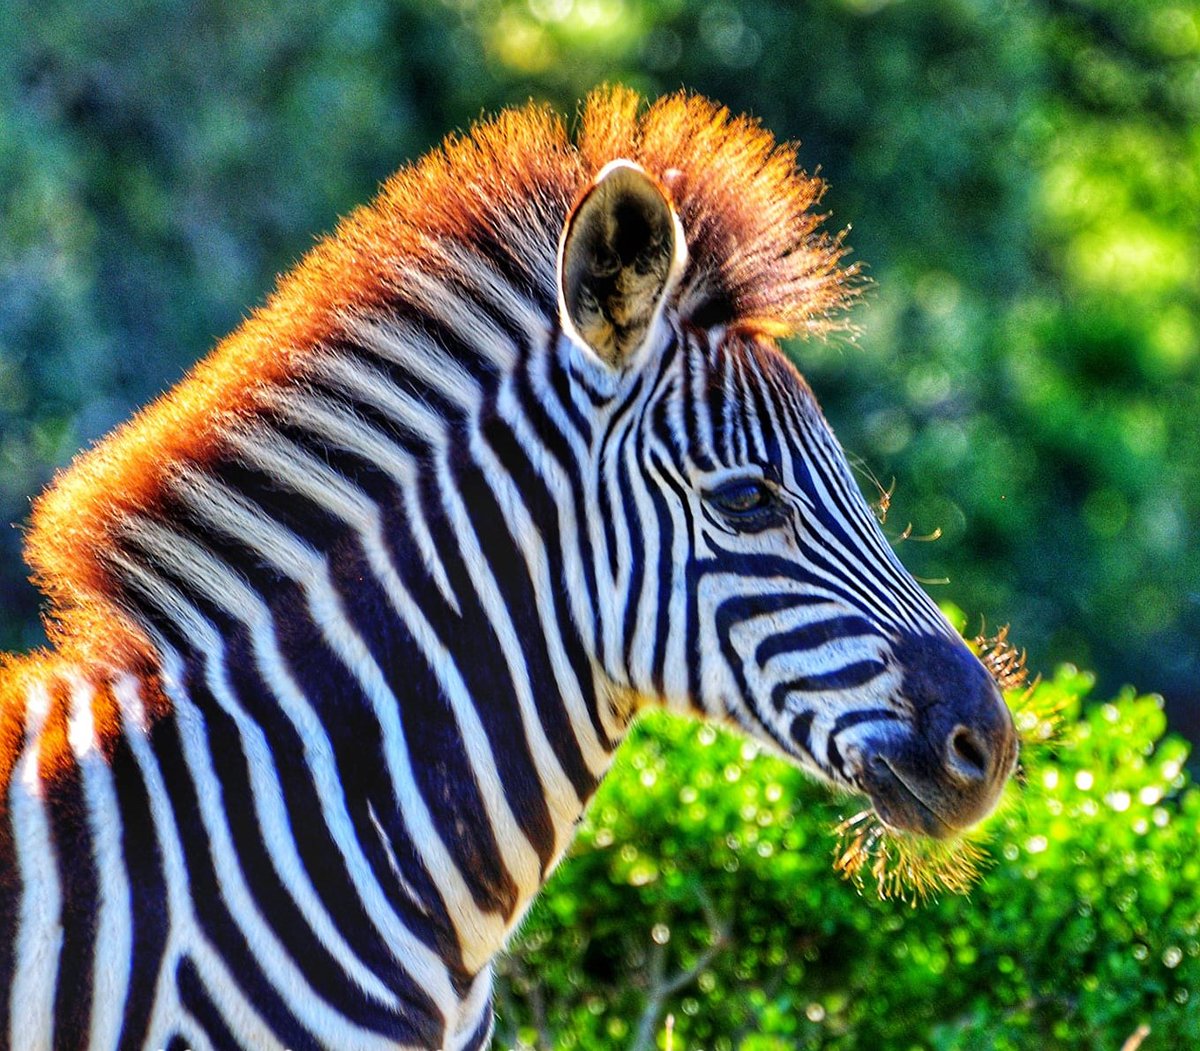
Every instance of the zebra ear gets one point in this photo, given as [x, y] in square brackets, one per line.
[620, 251]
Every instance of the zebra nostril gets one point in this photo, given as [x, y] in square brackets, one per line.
[968, 757]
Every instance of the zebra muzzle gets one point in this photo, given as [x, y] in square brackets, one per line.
[944, 771]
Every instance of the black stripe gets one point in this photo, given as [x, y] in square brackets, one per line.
[147, 893]
[644, 429]
[692, 628]
[578, 381]
[801, 732]
[739, 424]
[606, 499]
[661, 423]
[362, 769]
[195, 999]
[765, 431]
[471, 640]
[482, 304]
[464, 355]
[637, 542]
[812, 636]
[666, 578]
[73, 846]
[695, 373]
[556, 447]
[852, 675]
[494, 535]
[562, 381]
[543, 510]
[716, 400]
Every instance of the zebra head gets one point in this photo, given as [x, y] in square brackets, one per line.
[739, 571]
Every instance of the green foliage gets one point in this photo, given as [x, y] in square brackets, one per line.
[706, 870]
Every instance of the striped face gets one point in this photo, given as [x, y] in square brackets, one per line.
[751, 581]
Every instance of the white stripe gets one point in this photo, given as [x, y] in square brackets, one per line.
[731, 403]
[113, 960]
[449, 307]
[476, 1005]
[374, 387]
[393, 862]
[194, 1038]
[39, 931]
[645, 602]
[403, 343]
[482, 279]
[700, 378]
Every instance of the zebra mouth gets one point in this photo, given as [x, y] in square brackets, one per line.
[899, 803]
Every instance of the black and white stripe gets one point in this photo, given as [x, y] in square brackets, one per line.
[404, 615]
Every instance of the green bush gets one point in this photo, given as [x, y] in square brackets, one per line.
[702, 885]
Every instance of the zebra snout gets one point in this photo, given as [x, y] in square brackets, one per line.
[946, 770]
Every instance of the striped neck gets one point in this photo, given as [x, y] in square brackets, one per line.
[397, 556]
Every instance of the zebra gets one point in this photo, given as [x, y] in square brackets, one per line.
[346, 628]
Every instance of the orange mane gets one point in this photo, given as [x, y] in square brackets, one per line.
[758, 262]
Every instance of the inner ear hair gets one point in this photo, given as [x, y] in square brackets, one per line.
[616, 259]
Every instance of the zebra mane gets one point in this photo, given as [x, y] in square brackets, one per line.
[758, 262]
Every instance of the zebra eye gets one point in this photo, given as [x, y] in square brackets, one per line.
[748, 504]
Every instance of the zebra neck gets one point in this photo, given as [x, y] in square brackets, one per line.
[393, 593]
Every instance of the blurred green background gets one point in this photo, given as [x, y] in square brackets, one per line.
[1023, 180]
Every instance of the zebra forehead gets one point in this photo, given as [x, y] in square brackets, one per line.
[759, 264]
